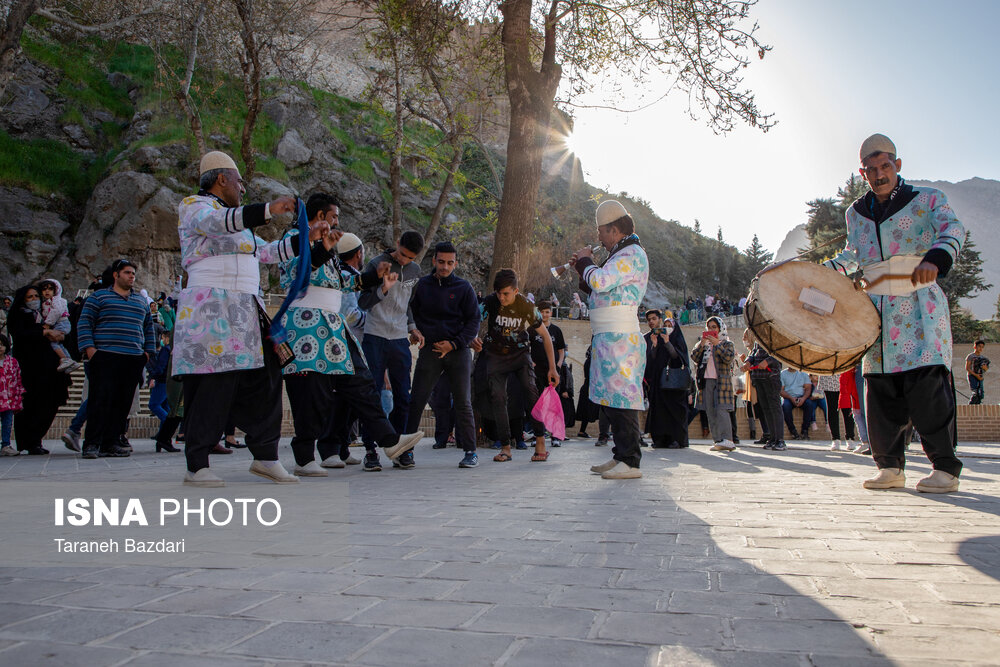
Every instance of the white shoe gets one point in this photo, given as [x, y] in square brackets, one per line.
[333, 462]
[9, 451]
[351, 461]
[311, 469]
[835, 445]
[405, 444]
[604, 467]
[72, 440]
[66, 365]
[887, 478]
[622, 471]
[860, 447]
[724, 446]
[938, 482]
[274, 471]
[203, 478]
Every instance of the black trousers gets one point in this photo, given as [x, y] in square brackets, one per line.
[923, 398]
[832, 399]
[769, 397]
[168, 427]
[498, 368]
[251, 398]
[312, 397]
[626, 432]
[336, 441]
[457, 365]
[113, 379]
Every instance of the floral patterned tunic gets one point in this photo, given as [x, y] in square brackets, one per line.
[11, 389]
[319, 337]
[618, 359]
[916, 328]
[217, 330]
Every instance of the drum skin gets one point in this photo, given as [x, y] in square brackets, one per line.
[815, 343]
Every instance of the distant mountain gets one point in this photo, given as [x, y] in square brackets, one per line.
[794, 240]
[977, 204]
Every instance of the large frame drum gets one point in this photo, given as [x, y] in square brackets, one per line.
[811, 317]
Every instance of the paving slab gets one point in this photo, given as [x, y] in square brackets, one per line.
[751, 558]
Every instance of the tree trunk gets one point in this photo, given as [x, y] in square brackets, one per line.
[10, 38]
[532, 94]
[250, 64]
[442, 202]
[395, 160]
[183, 94]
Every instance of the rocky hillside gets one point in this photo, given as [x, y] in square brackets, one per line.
[94, 158]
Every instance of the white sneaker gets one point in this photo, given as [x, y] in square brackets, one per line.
[9, 451]
[351, 461]
[333, 462]
[311, 469]
[724, 446]
[274, 471]
[405, 444]
[814, 426]
[72, 440]
[203, 478]
[860, 447]
[622, 471]
[66, 365]
[887, 478]
[835, 445]
[604, 467]
[938, 482]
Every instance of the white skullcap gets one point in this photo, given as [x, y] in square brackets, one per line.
[609, 211]
[217, 160]
[877, 143]
[347, 243]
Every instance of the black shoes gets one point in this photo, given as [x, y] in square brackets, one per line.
[372, 463]
[439, 445]
[165, 447]
[762, 441]
[114, 452]
[404, 461]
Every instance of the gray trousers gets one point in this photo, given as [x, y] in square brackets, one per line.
[718, 417]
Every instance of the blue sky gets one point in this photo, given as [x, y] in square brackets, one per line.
[924, 73]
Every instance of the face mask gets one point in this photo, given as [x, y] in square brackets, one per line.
[33, 305]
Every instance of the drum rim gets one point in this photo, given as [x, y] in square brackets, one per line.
[842, 359]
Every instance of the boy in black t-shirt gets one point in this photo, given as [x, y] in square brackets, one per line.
[508, 316]
[538, 358]
[976, 365]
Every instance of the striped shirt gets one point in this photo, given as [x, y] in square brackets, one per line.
[113, 323]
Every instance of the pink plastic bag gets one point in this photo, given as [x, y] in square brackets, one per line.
[548, 410]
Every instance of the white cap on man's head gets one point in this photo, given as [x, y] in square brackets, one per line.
[216, 160]
[609, 211]
[347, 243]
[877, 143]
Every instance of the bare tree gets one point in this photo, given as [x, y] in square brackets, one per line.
[702, 44]
[10, 37]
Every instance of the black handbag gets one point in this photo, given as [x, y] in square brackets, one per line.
[675, 378]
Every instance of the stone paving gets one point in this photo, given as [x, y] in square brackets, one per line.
[750, 558]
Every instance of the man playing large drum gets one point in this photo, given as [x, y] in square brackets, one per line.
[615, 290]
[899, 229]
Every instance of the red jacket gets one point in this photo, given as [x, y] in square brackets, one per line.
[848, 391]
[11, 388]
